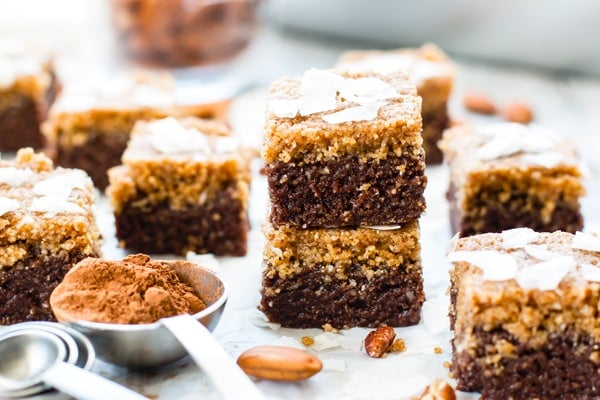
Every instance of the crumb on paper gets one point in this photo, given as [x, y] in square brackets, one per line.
[329, 328]
[307, 341]
[438, 350]
[447, 364]
[399, 346]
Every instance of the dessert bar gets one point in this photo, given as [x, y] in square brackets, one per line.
[509, 175]
[342, 277]
[524, 308]
[47, 226]
[183, 186]
[28, 85]
[344, 150]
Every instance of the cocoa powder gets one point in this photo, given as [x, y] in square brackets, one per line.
[135, 290]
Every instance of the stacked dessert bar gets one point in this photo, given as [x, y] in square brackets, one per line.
[183, 186]
[524, 310]
[509, 175]
[430, 69]
[345, 168]
[48, 225]
[28, 86]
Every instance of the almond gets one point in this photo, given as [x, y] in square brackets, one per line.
[518, 112]
[479, 103]
[379, 341]
[279, 363]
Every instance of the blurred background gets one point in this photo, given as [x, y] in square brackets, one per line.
[554, 35]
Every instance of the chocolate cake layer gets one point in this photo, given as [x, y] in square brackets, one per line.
[347, 192]
[219, 226]
[434, 124]
[567, 366]
[521, 209]
[26, 286]
[99, 152]
[316, 297]
[19, 124]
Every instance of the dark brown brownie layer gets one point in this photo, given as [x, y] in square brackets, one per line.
[315, 298]
[95, 156]
[346, 193]
[499, 217]
[434, 123]
[563, 368]
[219, 227]
[20, 123]
[25, 288]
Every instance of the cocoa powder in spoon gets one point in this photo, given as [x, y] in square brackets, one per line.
[135, 290]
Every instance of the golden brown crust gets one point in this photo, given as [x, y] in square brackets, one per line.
[397, 128]
[290, 250]
[50, 233]
[531, 315]
[181, 179]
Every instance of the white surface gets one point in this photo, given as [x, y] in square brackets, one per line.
[566, 105]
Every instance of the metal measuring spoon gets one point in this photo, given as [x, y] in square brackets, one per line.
[31, 356]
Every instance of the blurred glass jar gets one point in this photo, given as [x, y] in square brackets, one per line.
[183, 33]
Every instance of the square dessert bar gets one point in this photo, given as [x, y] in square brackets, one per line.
[342, 277]
[509, 175]
[430, 69]
[344, 150]
[183, 186]
[28, 86]
[524, 307]
[89, 125]
[47, 226]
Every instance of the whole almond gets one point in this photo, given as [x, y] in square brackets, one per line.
[379, 341]
[518, 112]
[479, 103]
[279, 363]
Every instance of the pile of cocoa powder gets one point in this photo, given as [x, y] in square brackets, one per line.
[135, 290]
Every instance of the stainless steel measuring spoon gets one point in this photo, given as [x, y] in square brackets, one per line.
[31, 356]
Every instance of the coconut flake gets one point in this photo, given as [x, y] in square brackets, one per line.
[364, 385]
[367, 90]
[169, 136]
[284, 108]
[384, 227]
[225, 145]
[331, 340]
[359, 113]
[549, 159]
[61, 186]
[496, 266]
[54, 205]
[506, 139]
[590, 272]
[288, 341]
[259, 319]
[15, 176]
[518, 237]
[545, 275]
[7, 205]
[318, 91]
[149, 96]
[586, 241]
[541, 252]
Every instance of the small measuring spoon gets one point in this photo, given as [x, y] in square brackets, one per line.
[31, 356]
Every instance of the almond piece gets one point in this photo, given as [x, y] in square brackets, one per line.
[378, 342]
[518, 112]
[479, 103]
[439, 389]
[279, 363]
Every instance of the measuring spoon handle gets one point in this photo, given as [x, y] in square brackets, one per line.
[86, 385]
[230, 380]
